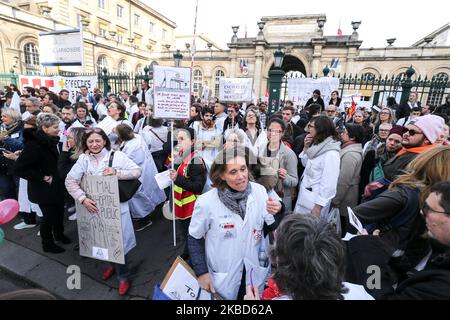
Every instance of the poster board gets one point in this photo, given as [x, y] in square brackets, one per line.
[235, 89]
[301, 89]
[57, 83]
[100, 234]
[62, 48]
[172, 92]
[180, 283]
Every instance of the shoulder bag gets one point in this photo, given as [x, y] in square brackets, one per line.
[127, 188]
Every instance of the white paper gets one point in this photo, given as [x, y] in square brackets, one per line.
[100, 253]
[348, 236]
[182, 285]
[354, 221]
[163, 179]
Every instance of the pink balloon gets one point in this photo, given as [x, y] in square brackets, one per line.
[9, 208]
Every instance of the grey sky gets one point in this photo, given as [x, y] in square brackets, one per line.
[408, 21]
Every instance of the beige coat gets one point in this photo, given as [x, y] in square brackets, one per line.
[349, 176]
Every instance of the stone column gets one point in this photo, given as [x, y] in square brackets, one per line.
[317, 44]
[259, 56]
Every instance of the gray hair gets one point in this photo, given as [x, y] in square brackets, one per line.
[240, 134]
[35, 101]
[13, 113]
[46, 120]
[310, 259]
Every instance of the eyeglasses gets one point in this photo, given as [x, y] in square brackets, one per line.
[384, 130]
[275, 131]
[412, 132]
[331, 111]
[426, 210]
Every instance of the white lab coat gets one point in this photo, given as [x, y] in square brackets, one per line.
[108, 124]
[25, 205]
[148, 96]
[260, 143]
[149, 195]
[321, 175]
[64, 133]
[231, 243]
[84, 167]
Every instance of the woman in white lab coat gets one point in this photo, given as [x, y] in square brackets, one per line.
[95, 161]
[225, 239]
[149, 195]
[321, 160]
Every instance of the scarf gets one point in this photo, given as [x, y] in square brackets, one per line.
[235, 201]
[329, 144]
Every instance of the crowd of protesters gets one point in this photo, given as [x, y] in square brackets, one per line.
[262, 198]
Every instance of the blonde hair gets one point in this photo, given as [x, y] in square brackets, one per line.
[425, 170]
[13, 113]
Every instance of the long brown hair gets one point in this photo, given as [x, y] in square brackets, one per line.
[425, 170]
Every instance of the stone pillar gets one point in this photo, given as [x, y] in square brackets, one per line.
[234, 63]
[352, 53]
[259, 56]
[317, 44]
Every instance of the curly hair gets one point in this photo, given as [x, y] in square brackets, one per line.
[309, 258]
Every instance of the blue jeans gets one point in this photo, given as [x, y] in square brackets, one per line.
[9, 186]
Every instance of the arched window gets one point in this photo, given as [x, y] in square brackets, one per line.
[122, 68]
[31, 54]
[102, 63]
[139, 69]
[369, 76]
[198, 80]
[437, 89]
[219, 74]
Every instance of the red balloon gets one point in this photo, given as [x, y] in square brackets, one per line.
[9, 208]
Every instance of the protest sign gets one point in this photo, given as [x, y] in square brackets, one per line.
[62, 48]
[301, 89]
[235, 89]
[180, 283]
[100, 233]
[172, 92]
[57, 83]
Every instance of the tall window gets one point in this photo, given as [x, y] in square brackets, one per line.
[102, 31]
[139, 69]
[151, 27]
[437, 89]
[136, 20]
[219, 74]
[31, 54]
[102, 4]
[102, 63]
[119, 11]
[198, 80]
[369, 76]
[122, 67]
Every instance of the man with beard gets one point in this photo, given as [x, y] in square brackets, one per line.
[208, 137]
[430, 278]
[421, 135]
[68, 122]
[63, 99]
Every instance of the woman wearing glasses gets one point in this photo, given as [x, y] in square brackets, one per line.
[395, 212]
[385, 116]
[95, 161]
[283, 160]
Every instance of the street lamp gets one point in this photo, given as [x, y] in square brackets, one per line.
[178, 57]
[275, 80]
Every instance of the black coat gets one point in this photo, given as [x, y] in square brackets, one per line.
[431, 283]
[404, 110]
[38, 159]
[319, 101]
[397, 165]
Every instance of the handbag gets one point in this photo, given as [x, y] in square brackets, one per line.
[127, 188]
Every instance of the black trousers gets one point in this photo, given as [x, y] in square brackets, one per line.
[52, 221]
[185, 231]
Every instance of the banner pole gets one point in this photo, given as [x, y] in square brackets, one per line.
[173, 184]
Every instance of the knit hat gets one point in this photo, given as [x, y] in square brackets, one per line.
[431, 125]
[400, 130]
